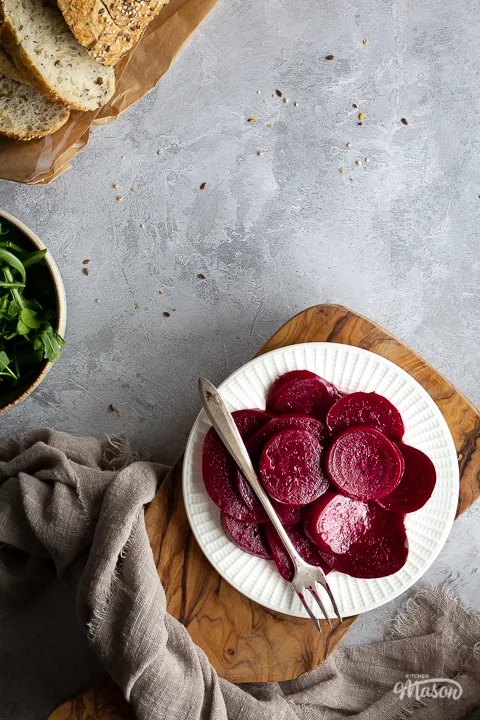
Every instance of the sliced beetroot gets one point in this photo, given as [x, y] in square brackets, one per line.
[288, 514]
[305, 548]
[287, 377]
[249, 537]
[304, 395]
[364, 464]
[417, 483]
[218, 469]
[249, 420]
[256, 443]
[357, 538]
[362, 408]
[290, 467]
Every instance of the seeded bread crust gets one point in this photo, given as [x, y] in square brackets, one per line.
[32, 69]
[109, 28]
[8, 68]
[25, 114]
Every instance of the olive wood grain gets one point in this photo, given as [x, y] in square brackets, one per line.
[244, 641]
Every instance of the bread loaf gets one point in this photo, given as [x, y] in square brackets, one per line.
[25, 113]
[48, 56]
[109, 28]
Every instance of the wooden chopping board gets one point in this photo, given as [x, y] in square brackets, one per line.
[244, 641]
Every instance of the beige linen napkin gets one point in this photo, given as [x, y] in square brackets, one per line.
[64, 497]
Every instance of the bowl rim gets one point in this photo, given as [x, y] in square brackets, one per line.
[60, 297]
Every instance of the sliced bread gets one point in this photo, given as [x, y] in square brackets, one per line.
[26, 114]
[109, 28]
[8, 68]
[46, 53]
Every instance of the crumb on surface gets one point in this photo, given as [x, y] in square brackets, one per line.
[329, 57]
[341, 170]
[361, 116]
[203, 186]
[166, 314]
[142, 225]
[97, 300]
[286, 100]
[279, 93]
[260, 153]
[269, 125]
[201, 276]
[86, 261]
[138, 306]
[365, 42]
[85, 270]
[119, 197]
[159, 152]
[116, 186]
[252, 120]
[404, 121]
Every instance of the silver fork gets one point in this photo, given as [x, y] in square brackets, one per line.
[306, 577]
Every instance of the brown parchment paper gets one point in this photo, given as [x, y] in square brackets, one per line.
[38, 162]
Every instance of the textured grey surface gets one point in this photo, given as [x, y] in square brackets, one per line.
[273, 235]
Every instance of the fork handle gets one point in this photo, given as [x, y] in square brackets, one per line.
[223, 422]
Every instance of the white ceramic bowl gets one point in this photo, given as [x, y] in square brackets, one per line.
[57, 283]
[351, 369]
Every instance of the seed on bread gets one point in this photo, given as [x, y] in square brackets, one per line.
[109, 28]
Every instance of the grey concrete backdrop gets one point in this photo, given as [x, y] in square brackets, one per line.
[273, 234]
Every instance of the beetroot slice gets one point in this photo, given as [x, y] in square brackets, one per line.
[286, 378]
[290, 468]
[249, 537]
[305, 548]
[256, 442]
[362, 408]
[364, 464]
[218, 469]
[250, 420]
[308, 396]
[357, 538]
[288, 514]
[416, 485]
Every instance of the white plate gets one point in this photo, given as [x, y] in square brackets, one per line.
[351, 369]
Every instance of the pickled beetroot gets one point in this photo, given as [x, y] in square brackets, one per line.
[218, 469]
[256, 443]
[251, 538]
[249, 421]
[302, 392]
[364, 464]
[370, 409]
[288, 514]
[290, 467]
[357, 538]
[416, 485]
[287, 377]
[305, 548]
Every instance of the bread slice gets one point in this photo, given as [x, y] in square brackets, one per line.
[8, 68]
[25, 113]
[45, 52]
[109, 28]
